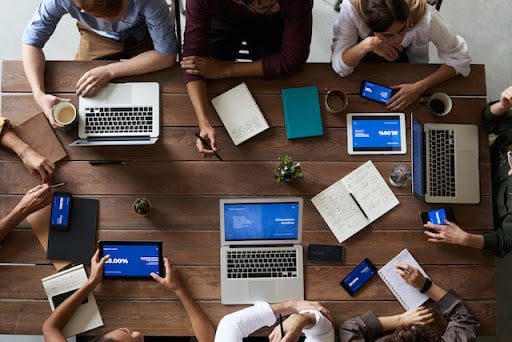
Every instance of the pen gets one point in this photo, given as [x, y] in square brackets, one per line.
[106, 162]
[207, 144]
[281, 325]
[358, 205]
[58, 185]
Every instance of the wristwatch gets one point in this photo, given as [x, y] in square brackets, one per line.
[426, 286]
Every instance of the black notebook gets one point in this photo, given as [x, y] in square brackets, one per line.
[76, 244]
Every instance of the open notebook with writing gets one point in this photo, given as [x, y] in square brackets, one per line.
[355, 201]
[408, 296]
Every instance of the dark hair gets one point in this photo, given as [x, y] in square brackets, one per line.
[415, 333]
[379, 15]
[101, 8]
[102, 339]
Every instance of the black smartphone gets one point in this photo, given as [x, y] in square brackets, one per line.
[375, 92]
[60, 298]
[437, 216]
[60, 218]
[358, 277]
[325, 253]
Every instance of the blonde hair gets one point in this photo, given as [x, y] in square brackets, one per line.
[417, 9]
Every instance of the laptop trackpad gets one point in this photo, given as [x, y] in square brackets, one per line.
[262, 291]
[466, 164]
[120, 93]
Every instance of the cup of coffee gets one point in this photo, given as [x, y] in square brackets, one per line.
[336, 101]
[440, 104]
[64, 113]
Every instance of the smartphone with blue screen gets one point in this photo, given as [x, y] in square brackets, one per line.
[358, 277]
[437, 216]
[60, 218]
[375, 92]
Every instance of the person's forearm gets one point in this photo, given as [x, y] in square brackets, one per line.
[353, 56]
[199, 98]
[435, 292]
[497, 109]
[34, 64]
[201, 324]
[442, 74]
[146, 62]
[390, 322]
[60, 317]
[12, 142]
[473, 240]
[12, 220]
[234, 69]
[283, 308]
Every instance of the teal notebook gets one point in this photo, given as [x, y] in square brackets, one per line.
[302, 115]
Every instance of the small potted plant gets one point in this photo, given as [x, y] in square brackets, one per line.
[287, 170]
[141, 206]
[399, 175]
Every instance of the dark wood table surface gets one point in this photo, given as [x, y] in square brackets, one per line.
[185, 190]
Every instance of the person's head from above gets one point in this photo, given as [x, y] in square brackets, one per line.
[415, 333]
[387, 19]
[111, 11]
[121, 335]
[260, 6]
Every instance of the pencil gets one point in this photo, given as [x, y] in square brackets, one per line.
[281, 325]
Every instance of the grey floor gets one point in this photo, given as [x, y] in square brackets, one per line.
[485, 24]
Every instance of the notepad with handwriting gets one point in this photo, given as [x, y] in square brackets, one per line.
[240, 114]
[60, 286]
[408, 296]
[342, 213]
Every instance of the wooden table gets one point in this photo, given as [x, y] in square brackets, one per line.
[185, 190]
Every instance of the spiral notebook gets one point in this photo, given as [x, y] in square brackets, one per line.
[408, 296]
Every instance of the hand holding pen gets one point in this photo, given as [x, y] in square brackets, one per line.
[411, 275]
[207, 145]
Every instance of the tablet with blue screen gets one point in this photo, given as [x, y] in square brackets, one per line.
[132, 259]
[376, 133]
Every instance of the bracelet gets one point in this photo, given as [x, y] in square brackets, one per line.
[426, 286]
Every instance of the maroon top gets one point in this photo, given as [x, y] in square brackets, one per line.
[295, 14]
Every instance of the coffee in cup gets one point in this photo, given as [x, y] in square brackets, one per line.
[64, 113]
[440, 104]
[336, 101]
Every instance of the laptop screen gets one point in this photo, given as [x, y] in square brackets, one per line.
[261, 221]
[418, 157]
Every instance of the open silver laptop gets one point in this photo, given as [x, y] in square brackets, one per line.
[261, 252]
[120, 114]
[445, 162]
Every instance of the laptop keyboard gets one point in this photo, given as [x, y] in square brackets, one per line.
[261, 263]
[442, 163]
[118, 120]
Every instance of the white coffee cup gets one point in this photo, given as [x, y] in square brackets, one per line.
[440, 104]
[64, 113]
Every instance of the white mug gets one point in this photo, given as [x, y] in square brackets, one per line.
[64, 113]
[440, 104]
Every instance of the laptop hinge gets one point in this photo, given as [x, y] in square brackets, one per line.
[124, 138]
[258, 246]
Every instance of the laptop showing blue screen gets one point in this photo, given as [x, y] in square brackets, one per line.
[418, 157]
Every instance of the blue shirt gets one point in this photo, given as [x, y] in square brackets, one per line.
[153, 14]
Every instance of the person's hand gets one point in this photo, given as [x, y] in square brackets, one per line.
[390, 52]
[301, 305]
[292, 327]
[35, 199]
[46, 102]
[35, 162]
[418, 316]
[406, 95]
[93, 80]
[411, 275]
[448, 233]
[207, 133]
[172, 280]
[97, 268]
[204, 66]
[506, 98]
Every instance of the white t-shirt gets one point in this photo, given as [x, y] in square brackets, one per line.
[452, 49]
[240, 324]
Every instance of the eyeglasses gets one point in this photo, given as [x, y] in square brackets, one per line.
[259, 9]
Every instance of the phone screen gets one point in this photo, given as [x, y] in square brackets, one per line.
[326, 253]
[376, 92]
[437, 216]
[61, 210]
[358, 277]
